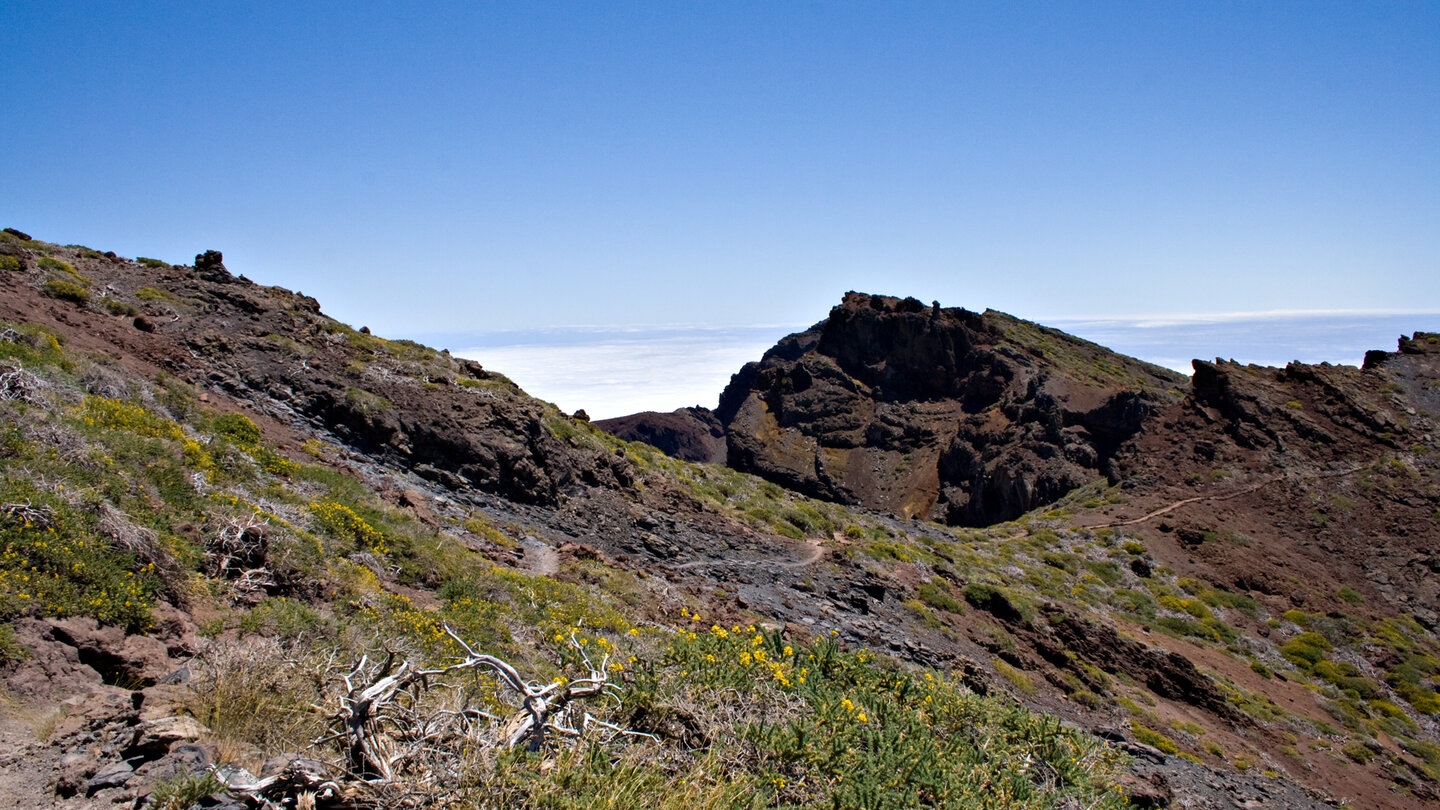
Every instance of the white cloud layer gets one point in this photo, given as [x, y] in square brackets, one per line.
[616, 375]
[614, 372]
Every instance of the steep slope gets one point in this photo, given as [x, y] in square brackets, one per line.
[1334, 466]
[267, 493]
[936, 413]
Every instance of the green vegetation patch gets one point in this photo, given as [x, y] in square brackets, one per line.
[66, 291]
[863, 733]
[936, 594]
[65, 269]
[1306, 649]
[52, 563]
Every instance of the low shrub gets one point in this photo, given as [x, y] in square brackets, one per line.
[1154, 739]
[66, 291]
[117, 307]
[237, 427]
[53, 564]
[936, 594]
[55, 265]
[184, 790]
[1306, 650]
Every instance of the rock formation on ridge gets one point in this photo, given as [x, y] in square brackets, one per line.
[932, 412]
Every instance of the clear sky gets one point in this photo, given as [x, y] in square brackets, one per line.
[428, 168]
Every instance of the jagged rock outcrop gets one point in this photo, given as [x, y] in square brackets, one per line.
[935, 412]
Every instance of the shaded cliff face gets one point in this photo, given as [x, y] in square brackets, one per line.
[936, 413]
[689, 434]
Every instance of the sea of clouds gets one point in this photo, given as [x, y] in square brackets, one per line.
[611, 371]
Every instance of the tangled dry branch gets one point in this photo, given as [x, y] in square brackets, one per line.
[24, 514]
[404, 731]
[237, 552]
[18, 384]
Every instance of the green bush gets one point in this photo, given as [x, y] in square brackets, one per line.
[980, 595]
[149, 262]
[53, 564]
[10, 649]
[340, 522]
[1406, 680]
[65, 291]
[863, 733]
[184, 790]
[153, 294]
[127, 417]
[237, 427]
[10, 263]
[1154, 739]
[936, 594]
[1358, 752]
[1306, 650]
[279, 616]
[63, 267]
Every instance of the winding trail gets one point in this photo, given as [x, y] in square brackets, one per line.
[814, 552]
[1227, 496]
[540, 558]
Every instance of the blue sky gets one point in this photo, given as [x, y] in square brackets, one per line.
[445, 168]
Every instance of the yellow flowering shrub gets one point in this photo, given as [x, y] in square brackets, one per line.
[118, 414]
[341, 523]
[52, 564]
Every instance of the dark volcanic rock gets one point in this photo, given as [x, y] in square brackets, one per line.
[692, 434]
[1166, 674]
[936, 413]
[210, 266]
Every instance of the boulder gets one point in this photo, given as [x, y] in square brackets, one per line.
[114, 775]
[155, 738]
[134, 661]
[53, 669]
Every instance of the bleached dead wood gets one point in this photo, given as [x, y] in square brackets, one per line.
[408, 735]
[382, 727]
[18, 384]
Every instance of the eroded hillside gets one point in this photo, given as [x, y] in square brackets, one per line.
[217, 500]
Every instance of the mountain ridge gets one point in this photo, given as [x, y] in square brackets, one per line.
[385, 488]
[900, 406]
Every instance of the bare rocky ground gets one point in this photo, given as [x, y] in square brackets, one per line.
[455, 437]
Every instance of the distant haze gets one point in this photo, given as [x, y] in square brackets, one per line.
[613, 372]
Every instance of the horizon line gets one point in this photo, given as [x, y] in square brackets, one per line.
[1142, 321]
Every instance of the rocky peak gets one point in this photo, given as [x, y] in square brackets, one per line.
[935, 412]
